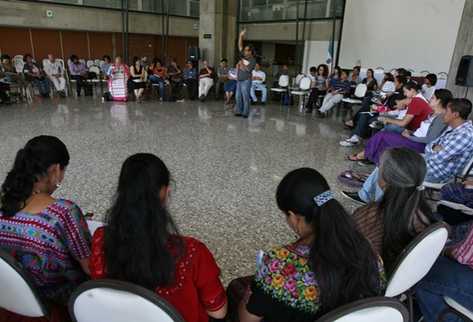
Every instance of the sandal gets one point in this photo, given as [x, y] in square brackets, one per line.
[351, 179]
[354, 158]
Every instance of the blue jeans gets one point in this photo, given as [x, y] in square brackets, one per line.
[259, 87]
[393, 128]
[42, 85]
[371, 191]
[158, 80]
[243, 97]
[446, 278]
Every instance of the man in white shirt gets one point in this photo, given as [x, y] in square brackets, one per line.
[257, 84]
[55, 72]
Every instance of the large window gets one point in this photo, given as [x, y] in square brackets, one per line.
[268, 10]
[189, 8]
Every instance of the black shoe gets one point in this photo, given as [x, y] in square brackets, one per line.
[353, 196]
[320, 115]
[238, 115]
[365, 162]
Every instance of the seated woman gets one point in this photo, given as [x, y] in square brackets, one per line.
[137, 81]
[319, 78]
[370, 81]
[118, 75]
[417, 110]
[230, 85]
[331, 263]
[339, 87]
[36, 76]
[141, 245]
[429, 130]
[387, 225]
[47, 236]
[158, 74]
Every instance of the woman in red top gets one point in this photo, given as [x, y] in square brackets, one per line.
[141, 245]
[418, 110]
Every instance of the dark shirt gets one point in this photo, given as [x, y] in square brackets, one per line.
[204, 71]
[245, 72]
[176, 71]
[342, 86]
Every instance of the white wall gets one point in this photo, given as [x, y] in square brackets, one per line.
[416, 34]
[316, 52]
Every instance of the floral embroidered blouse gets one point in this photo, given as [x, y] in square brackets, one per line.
[285, 288]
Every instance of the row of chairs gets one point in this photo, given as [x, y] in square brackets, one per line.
[117, 301]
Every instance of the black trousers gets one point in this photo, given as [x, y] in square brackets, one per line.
[81, 83]
[313, 96]
[192, 87]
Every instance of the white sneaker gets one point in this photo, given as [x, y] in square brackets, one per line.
[352, 141]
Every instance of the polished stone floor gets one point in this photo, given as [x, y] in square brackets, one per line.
[226, 169]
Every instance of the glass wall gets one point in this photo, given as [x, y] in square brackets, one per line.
[189, 8]
[267, 10]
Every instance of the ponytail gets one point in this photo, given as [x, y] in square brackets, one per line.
[31, 164]
[341, 257]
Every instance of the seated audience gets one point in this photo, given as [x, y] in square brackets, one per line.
[283, 70]
[6, 69]
[118, 75]
[142, 245]
[47, 236]
[370, 81]
[428, 88]
[107, 62]
[137, 81]
[190, 80]
[416, 112]
[354, 77]
[318, 86]
[79, 72]
[429, 130]
[175, 78]
[339, 87]
[158, 74]
[206, 80]
[35, 75]
[331, 263]
[230, 85]
[55, 71]
[446, 156]
[389, 226]
[258, 84]
[222, 76]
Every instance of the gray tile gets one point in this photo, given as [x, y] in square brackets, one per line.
[226, 168]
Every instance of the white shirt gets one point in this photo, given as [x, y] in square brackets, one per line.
[53, 68]
[428, 92]
[260, 74]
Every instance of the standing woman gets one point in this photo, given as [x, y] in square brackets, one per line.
[117, 81]
[141, 245]
[47, 236]
[331, 263]
[137, 80]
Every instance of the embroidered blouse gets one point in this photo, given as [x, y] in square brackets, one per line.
[285, 288]
[197, 288]
[49, 245]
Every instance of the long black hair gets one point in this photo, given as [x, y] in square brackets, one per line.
[342, 258]
[403, 204]
[141, 240]
[31, 164]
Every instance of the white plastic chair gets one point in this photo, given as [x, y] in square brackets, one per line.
[441, 80]
[467, 170]
[369, 310]
[360, 92]
[363, 73]
[18, 294]
[455, 308]
[283, 83]
[409, 270]
[302, 91]
[117, 301]
[379, 75]
[297, 80]
[18, 63]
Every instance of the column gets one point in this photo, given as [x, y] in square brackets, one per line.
[463, 46]
[217, 30]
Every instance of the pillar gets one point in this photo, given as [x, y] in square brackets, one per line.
[463, 46]
[217, 30]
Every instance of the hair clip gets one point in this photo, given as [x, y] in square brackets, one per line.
[321, 199]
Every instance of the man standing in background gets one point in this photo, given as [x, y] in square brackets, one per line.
[245, 68]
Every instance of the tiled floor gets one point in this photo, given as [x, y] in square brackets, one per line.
[226, 169]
